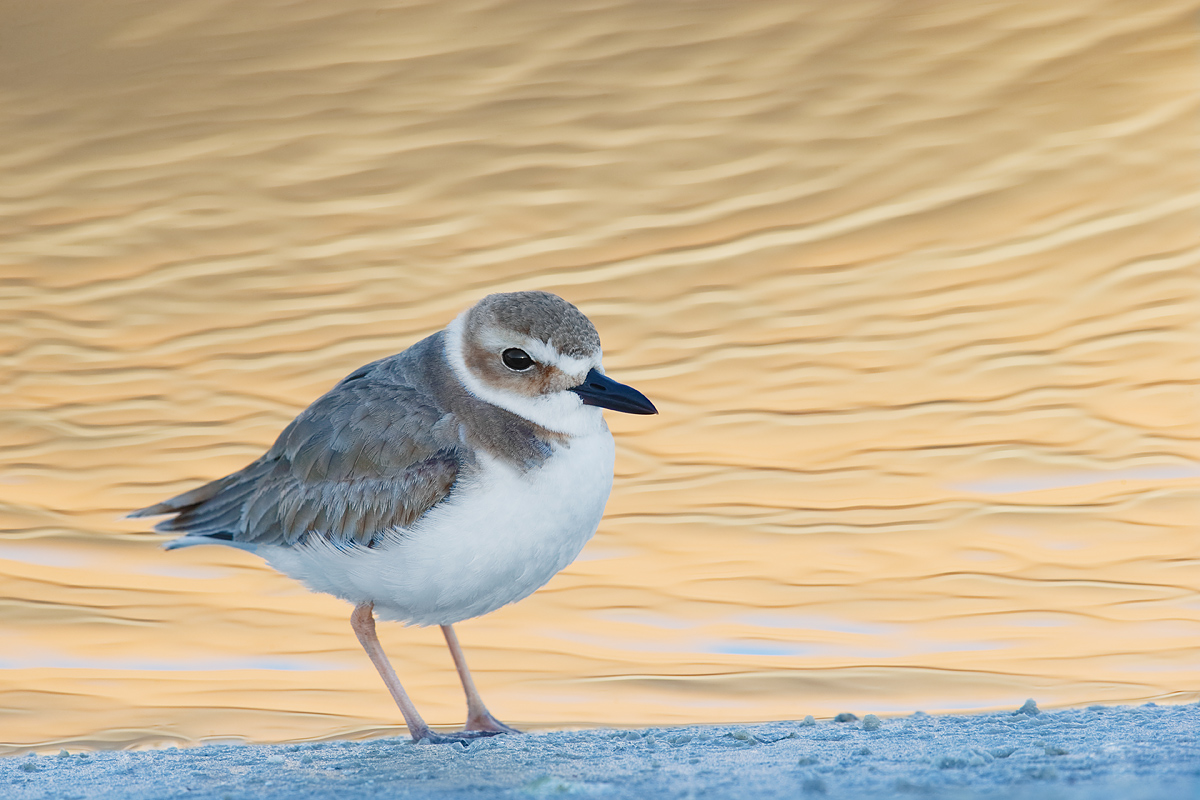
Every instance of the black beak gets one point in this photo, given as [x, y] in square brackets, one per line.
[597, 390]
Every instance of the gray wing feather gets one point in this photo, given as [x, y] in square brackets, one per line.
[371, 455]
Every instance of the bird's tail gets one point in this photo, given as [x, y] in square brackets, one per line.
[208, 514]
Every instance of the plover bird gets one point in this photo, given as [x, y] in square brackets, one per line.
[434, 485]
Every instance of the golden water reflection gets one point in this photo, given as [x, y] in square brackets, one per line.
[915, 287]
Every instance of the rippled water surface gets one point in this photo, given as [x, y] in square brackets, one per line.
[915, 286]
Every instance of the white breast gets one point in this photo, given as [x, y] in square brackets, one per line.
[497, 539]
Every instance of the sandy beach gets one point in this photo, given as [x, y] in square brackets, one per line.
[1130, 752]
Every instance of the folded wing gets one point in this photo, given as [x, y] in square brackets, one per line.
[366, 458]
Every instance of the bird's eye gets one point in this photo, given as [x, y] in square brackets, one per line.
[517, 359]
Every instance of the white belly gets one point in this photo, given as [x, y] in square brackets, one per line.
[494, 541]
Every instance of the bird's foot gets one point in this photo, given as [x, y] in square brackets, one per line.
[464, 737]
[484, 724]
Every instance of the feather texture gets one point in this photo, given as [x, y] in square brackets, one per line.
[373, 455]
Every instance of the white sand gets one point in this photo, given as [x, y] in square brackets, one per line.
[1101, 752]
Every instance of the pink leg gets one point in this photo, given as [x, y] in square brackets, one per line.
[363, 621]
[478, 717]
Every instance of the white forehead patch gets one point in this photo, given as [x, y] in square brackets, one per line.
[575, 367]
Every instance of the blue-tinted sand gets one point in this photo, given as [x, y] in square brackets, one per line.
[1100, 753]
